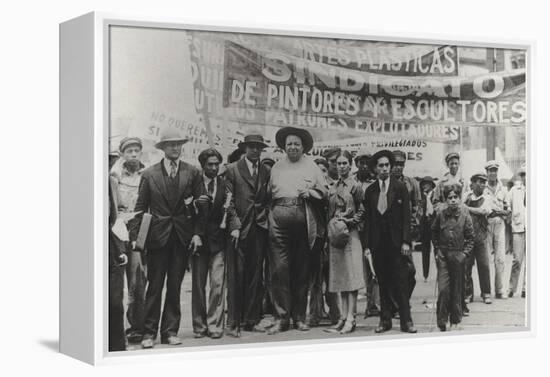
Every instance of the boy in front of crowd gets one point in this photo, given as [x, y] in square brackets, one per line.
[453, 239]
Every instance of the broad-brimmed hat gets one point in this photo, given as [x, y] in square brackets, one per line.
[491, 165]
[450, 156]
[382, 153]
[253, 139]
[307, 139]
[427, 179]
[170, 134]
[362, 153]
[399, 156]
[480, 175]
[127, 141]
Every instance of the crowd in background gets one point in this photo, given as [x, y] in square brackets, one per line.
[281, 237]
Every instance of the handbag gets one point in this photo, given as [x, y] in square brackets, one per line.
[338, 233]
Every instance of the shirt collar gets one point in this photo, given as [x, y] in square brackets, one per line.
[387, 181]
[167, 164]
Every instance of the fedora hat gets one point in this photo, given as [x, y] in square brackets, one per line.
[307, 139]
[170, 134]
[380, 154]
[252, 139]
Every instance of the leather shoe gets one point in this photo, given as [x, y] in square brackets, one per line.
[487, 300]
[442, 327]
[277, 328]
[510, 294]
[301, 326]
[171, 340]
[216, 334]
[234, 332]
[147, 343]
[408, 328]
[254, 328]
[199, 335]
[522, 294]
[382, 327]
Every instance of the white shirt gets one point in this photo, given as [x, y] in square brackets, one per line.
[167, 165]
[251, 166]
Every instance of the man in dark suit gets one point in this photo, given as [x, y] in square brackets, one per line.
[210, 259]
[247, 181]
[167, 190]
[388, 208]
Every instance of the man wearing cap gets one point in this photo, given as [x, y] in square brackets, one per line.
[480, 206]
[388, 223]
[496, 232]
[517, 202]
[365, 177]
[167, 191]
[246, 181]
[452, 160]
[330, 155]
[209, 261]
[298, 192]
[427, 211]
[127, 173]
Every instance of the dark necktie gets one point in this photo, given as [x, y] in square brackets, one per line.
[254, 171]
[382, 199]
[173, 169]
[211, 187]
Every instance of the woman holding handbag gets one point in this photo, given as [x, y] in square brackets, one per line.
[345, 251]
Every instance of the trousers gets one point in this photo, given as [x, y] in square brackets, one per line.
[117, 340]
[496, 246]
[165, 264]
[289, 261]
[480, 257]
[319, 294]
[450, 280]
[136, 280]
[518, 261]
[211, 266]
[394, 278]
[245, 278]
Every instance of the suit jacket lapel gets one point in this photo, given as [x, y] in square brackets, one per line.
[262, 175]
[245, 173]
[160, 182]
[183, 178]
[391, 192]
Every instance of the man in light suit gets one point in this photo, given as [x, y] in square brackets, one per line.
[388, 208]
[167, 190]
[247, 180]
[209, 261]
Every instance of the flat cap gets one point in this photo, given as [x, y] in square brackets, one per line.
[477, 176]
[450, 156]
[491, 165]
[127, 141]
[399, 156]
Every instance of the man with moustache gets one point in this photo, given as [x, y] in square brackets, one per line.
[167, 190]
[127, 173]
[209, 261]
[246, 181]
[388, 221]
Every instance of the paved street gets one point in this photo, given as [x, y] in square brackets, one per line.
[507, 314]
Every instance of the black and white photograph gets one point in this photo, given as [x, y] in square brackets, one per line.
[267, 187]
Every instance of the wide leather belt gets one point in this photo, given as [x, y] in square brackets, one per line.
[288, 202]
